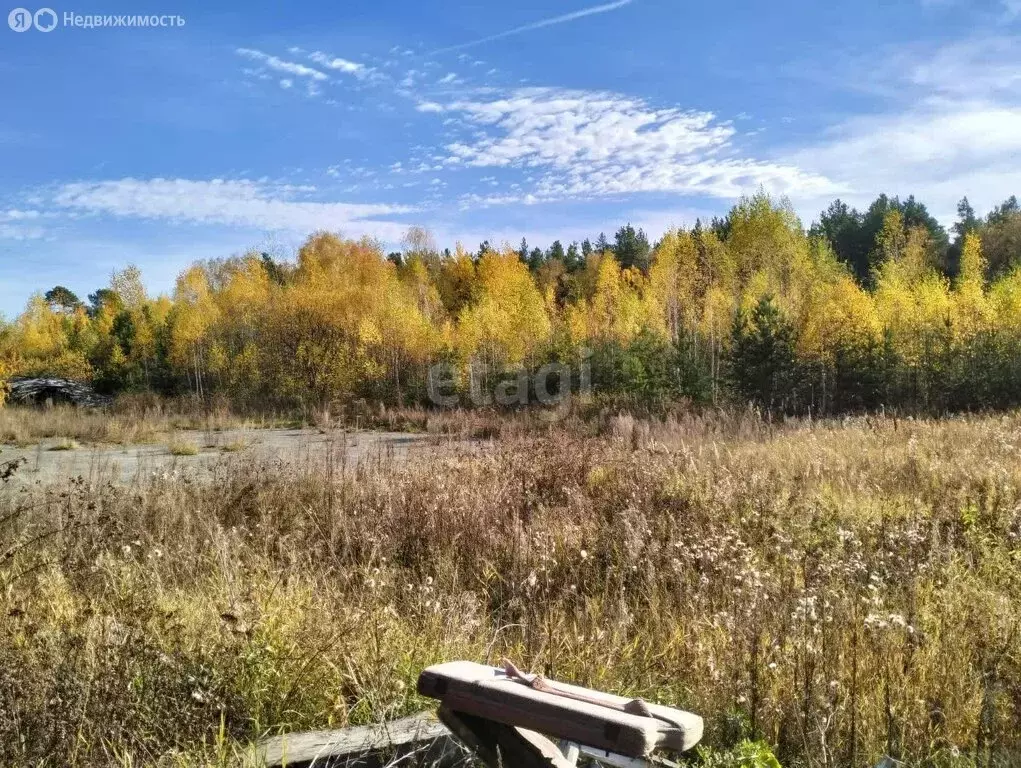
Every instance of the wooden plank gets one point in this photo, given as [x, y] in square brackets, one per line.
[367, 746]
[572, 713]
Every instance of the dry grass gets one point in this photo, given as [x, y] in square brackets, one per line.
[132, 420]
[183, 448]
[841, 590]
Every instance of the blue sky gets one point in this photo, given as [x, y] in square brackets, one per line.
[256, 123]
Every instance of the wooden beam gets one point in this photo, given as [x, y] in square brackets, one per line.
[616, 724]
[370, 746]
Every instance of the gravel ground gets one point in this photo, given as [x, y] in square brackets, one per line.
[53, 461]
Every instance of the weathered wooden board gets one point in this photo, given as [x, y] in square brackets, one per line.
[420, 740]
[571, 713]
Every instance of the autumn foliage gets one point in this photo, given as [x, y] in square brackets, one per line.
[753, 308]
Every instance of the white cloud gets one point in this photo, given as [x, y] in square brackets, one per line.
[591, 11]
[429, 106]
[939, 154]
[591, 144]
[15, 225]
[1011, 8]
[337, 63]
[17, 215]
[226, 202]
[279, 65]
[950, 127]
[450, 77]
[12, 232]
[978, 68]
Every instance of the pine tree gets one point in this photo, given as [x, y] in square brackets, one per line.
[763, 359]
[632, 248]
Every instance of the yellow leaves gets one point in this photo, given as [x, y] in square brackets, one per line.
[195, 310]
[717, 313]
[509, 321]
[830, 306]
[915, 301]
[587, 279]
[457, 281]
[618, 309]
[63, 363]
[759, 285]
[717, 267]
[891, 240]
[972, 271]
[912, 299]
[326, 259]
[672, 282]
[40, 341]
[914, 260]
[415, 276]
[69, 364]
[116, 358]
[309, 351]
[577, 323]
[159, 310]
[245, 367]
[1004, 299]
[766, 236]
[345, 319]
[217, 359]
[621, 303]
[547, 280]
[972, 309]
[839, 313]
[369, 332]
[245, 289]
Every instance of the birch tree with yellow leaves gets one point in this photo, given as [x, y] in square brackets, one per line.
[508, 324]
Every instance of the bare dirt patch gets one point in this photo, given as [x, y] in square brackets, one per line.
[196, 452]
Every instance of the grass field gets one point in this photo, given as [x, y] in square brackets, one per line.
[837, 590]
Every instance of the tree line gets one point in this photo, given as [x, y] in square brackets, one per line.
[881, 308]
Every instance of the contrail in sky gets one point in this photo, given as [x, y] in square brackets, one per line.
[540, 24]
